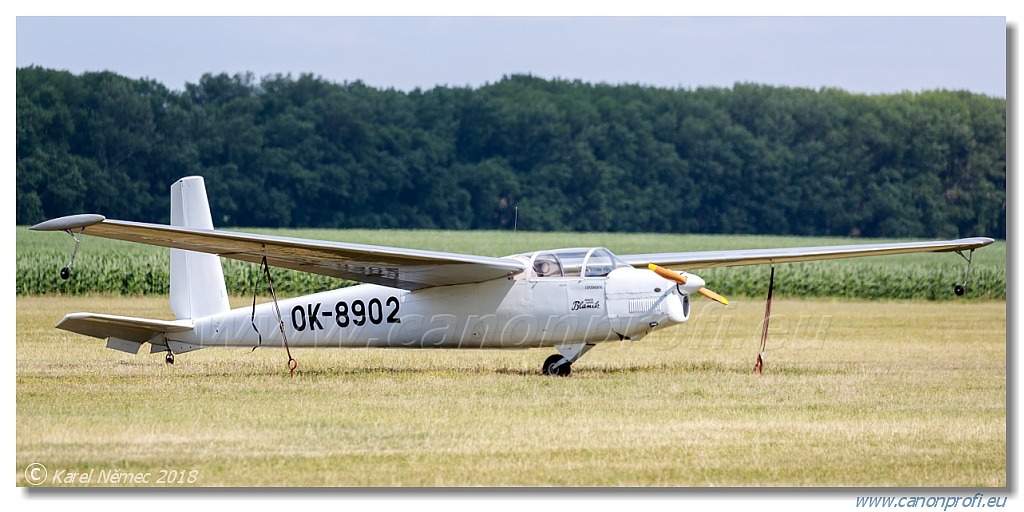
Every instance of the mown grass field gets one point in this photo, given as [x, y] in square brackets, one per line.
[856, 393]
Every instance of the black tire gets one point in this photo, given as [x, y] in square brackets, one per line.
[959, 290]
[169, 358]
[551, 366]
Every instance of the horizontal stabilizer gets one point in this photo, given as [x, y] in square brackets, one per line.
[139, 330]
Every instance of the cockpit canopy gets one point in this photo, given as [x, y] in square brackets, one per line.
[595, 262]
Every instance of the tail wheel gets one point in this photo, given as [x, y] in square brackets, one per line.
[557, 365]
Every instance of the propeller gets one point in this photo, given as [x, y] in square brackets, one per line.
[681, 279]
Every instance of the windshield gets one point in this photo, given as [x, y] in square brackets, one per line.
[601, 262]
[596, 262]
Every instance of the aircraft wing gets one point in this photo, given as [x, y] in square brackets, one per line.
[407, 269]
[733, 258]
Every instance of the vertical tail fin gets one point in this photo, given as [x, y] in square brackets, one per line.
[197, 280]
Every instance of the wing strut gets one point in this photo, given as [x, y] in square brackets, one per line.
[292, 363]
[759, 365]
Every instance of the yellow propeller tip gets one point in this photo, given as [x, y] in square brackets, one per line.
[713, 296]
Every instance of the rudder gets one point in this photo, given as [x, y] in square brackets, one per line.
[197, 279]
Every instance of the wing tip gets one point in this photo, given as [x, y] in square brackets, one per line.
[975, 242]
[69, 222]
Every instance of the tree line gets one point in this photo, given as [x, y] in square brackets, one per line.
[281, 151]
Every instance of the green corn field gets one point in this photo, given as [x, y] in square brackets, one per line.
[113, 267]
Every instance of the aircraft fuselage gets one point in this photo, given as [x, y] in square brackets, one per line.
[523, 313]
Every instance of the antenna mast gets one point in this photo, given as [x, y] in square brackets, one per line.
[515, 227]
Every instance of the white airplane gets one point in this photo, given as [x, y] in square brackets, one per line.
[569, 299]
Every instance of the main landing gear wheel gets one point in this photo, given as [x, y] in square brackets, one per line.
[169, 358]
[552, 366]
[959, 290]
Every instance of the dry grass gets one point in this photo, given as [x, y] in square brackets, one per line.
[855, 394]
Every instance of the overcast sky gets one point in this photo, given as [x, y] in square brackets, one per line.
[870, 55]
